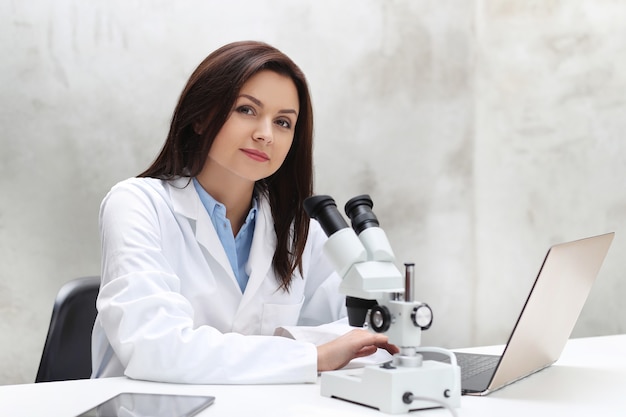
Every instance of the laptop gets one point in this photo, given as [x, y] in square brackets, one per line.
[546, 321]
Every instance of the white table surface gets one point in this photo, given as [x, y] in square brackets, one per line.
[588, 380]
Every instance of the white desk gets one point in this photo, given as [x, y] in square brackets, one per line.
[588, 381]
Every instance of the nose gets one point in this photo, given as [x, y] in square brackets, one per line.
[264, 131]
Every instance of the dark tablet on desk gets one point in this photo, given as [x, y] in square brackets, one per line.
[150, 405]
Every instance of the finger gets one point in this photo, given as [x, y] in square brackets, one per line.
[376, 340]
[365, 351]
[393, 349]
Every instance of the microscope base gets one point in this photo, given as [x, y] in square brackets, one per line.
[386, 388]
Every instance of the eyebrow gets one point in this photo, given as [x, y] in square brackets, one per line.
[258, 103]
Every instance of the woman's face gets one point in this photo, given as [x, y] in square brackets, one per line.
[256, 137]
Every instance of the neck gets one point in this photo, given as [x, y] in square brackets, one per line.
[233, 192]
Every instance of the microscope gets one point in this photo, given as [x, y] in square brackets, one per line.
[380, 298]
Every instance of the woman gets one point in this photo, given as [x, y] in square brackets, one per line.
[209, 250]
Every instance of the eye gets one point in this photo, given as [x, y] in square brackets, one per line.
[245, 109]
[286, 123]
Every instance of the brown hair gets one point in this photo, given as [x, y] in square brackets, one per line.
[207, 101]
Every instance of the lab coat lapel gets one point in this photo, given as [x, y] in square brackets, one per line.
[187, 202]
[261, 252]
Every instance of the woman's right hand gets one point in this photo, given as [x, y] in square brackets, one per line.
[355, 344]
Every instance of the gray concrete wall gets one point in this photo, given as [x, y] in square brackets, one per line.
[484, 130]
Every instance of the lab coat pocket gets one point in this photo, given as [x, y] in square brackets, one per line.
[277, 315]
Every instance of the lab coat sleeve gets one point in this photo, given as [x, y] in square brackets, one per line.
[149, 324]
[323, 301]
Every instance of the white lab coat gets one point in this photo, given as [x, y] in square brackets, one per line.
[170, 308]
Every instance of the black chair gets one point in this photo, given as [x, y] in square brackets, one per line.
[67, 351]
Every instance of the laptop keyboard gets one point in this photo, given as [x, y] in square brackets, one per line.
[472, 364]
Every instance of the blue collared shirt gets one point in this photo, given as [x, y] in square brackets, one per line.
[237, 247]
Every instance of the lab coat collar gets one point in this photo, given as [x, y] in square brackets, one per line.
[261, 252]
[185, 199]
[186, 202]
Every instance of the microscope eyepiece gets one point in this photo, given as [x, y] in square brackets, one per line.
[359, 210]
[357, 310]
[323, 209]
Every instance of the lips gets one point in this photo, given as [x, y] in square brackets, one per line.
[256, 155]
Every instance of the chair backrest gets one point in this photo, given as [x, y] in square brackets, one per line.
[67, 351]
